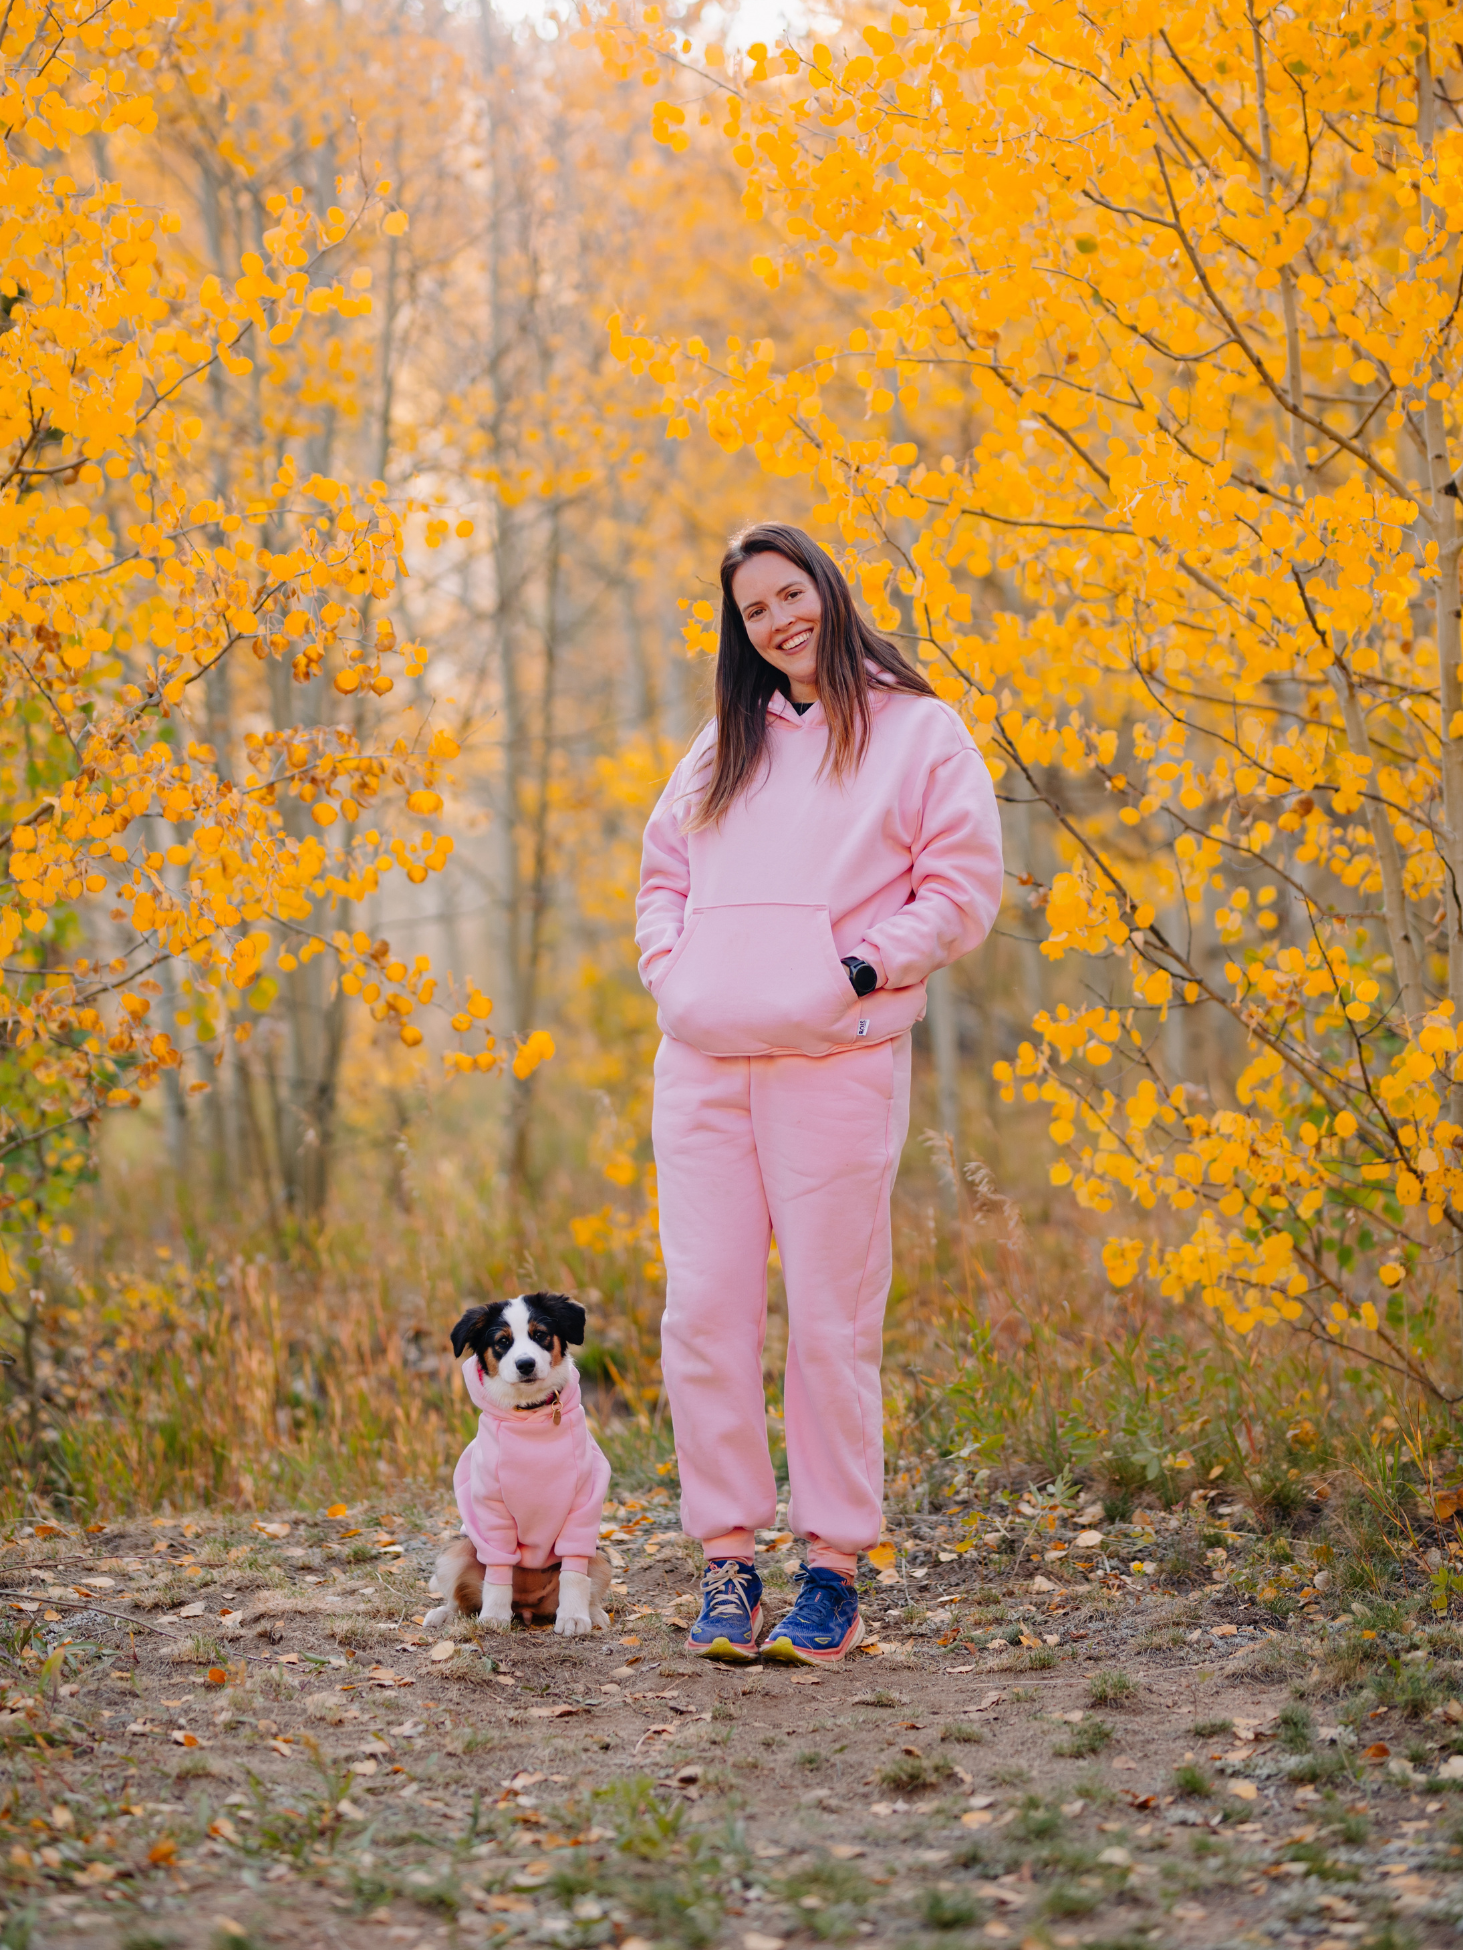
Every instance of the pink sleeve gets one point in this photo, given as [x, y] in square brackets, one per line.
[665, 877]
[580, 1534]
[485, 1516]
[957, 876]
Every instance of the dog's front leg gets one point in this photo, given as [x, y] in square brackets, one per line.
[572, 1620]
[497, 1611]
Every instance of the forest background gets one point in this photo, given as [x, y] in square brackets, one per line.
[380, 383]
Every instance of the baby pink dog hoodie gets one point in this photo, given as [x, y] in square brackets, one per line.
[531, 1491]
[742, 926]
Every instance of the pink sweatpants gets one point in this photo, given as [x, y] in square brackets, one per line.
[806, 1147]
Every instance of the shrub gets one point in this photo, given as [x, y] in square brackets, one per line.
[1087, 1738]
[908, 1773]
[1110, 1689]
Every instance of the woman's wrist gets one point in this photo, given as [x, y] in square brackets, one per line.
[869, 955]
[862, 975]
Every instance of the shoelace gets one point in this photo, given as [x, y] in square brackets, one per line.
[724, 1596]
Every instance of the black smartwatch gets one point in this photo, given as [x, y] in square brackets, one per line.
[863, 975]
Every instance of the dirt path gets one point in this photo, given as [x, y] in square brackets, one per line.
[1056, 1753]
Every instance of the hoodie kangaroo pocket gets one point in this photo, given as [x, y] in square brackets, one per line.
[758, 977]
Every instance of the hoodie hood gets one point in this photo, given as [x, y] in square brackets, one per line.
[566, 1401]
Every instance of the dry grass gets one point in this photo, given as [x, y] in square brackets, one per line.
[189, 1365]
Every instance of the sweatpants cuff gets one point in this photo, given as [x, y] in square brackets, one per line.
[731, 1543]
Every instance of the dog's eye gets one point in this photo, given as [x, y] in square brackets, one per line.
[541, 1335]
[502, 1344]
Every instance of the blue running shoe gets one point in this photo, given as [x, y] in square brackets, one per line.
[823, 1624]
[731, 1612]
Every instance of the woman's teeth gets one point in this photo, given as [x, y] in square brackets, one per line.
[796, 642]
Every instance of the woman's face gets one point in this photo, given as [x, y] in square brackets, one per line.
[781, 611]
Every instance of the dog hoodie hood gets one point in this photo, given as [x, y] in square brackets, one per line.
[530, 1487]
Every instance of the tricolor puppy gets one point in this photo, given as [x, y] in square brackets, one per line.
[531, 1484]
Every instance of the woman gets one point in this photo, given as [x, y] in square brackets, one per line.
[829, 840]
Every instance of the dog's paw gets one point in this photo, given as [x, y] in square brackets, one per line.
[497, 1611]
[438, 1615]
[572, 1620]
[600, 1620]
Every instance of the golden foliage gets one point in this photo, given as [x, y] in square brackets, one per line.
[161, 532]
[1145, 435]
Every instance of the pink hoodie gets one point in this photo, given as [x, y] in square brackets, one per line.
[742, 926]
[530, 1492]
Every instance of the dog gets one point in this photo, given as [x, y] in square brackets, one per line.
[531, 1484]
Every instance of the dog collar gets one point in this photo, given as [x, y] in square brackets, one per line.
[527, 1408]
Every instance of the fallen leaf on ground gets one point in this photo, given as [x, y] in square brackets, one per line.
[443, 1650]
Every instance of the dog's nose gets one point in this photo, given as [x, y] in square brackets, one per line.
[527, 1365]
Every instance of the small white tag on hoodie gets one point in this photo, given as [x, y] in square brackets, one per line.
[863, 1025]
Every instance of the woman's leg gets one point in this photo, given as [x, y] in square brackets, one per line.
[829, 1131]
[714, 1233]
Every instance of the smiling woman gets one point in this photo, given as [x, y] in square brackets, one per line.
[826, 844]
[780, 610]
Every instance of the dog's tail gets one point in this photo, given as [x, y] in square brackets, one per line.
[459, 1577]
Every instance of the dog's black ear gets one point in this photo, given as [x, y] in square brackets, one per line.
[563, 1315]
[474, 1330]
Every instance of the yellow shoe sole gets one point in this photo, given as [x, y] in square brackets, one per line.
[723, 1648]
[784, 1652]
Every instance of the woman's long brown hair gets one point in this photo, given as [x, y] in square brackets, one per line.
[745, 681]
